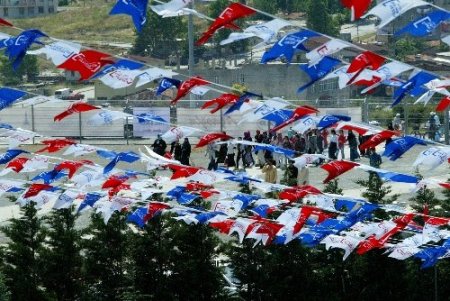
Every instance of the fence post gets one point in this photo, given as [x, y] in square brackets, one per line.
[221, 120]
[32, 120]
[79, 127]
[127, 132]
[446, 126]
[406, 115]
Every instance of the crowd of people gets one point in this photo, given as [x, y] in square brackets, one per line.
[232, 154]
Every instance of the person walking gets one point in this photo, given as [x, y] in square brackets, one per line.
[332, 147]
[211, 154]
[185, 152]
[374, 158]
[175, 150]
[341, 144]
[353, 145]
[159, 146]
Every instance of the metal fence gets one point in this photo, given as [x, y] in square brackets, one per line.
[39, 118]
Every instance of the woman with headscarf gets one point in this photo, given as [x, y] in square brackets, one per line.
[185, 152]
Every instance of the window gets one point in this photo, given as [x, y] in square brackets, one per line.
[30, 11]
[51, 10]
[5, 11]
[21, 11]
[41, 9]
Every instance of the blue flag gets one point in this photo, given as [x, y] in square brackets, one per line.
[246, 199]
[50, 176]
[8, 96]
[149, 117]
[329, 120]
[279, 116]
[318, 71]
[398, 177]
[413, 86]
[137, 216]
[16, 47]
[176, 192]
[276, 149]
[398, 147]
[89, 200]
[119, 65]
[261, 210]
[288, 45]
[167, 83]
[186, 198]
[115, 158]
[5, 125]
[238, 104]
[425, 25]
[10, 154]
[204, 217]
[430, 256]
[137, 9]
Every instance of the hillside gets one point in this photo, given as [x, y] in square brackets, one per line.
[90, 23]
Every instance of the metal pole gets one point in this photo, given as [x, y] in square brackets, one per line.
[79, 125]
[405, 111]
[191, 61]
[127, 132]
[446, 126]
[32, 120]
[221, 120]
[436, 294]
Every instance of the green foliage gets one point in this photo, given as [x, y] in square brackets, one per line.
[319, 18]
[408, 46]
[159, 37]
[105, 253]
[4, 292]
[424, 197]
[28, 68]
[22, 264]
[333, 187]
[376, 190]
[61, 254]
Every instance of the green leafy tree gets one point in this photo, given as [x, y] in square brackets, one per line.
[376, 190]
[21, 258]
[408, 46]
[159, 37]
[28, 68]
[62, 268]
[4, 292]
[105, 254]
[319, 19]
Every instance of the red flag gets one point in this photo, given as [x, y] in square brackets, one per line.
[114, 181]
[75, 108]
[221, 101]
[180, 171]
[269, 228]
[17, 164]
[115, 190]
[55, 145]
[187, 86]
[445, 184]
[194, 186]
[72, 166]
[337, 168]
[34, 189]
[223, 226]
[86, 62]
[155, 208]
[6, 23]
[232, 12]
[358, 7]
[377, 139]
[208, 138]
[443, 104]
[298, 113]
[295, 193]
[367, 59]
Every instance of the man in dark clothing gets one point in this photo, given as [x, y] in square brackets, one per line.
[185, 152]
[374, 158]
[175, 150]
[353, 145]
[159, 146]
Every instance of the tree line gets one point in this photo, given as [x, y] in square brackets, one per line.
[52, 257]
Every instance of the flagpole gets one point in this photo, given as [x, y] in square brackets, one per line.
[191, 61]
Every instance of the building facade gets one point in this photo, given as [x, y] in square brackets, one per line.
[16, 9]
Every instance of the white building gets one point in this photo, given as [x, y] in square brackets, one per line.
[15, 9]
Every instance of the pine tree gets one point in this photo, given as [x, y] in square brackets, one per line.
[5, 295]
[319, 19]
[150, 262]
[62, 268]
[105, 254]
[376, 190]
[333, 187]
[21, 259]
[194, 275]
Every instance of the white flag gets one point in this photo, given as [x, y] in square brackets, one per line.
[388, 71]
[446, 40]
[120, 78]
[150, 74]
[347, 243]
[6, 185]
[240, 227]
[80, 149]
[341, 74]
[172, 8]
[58, 52]
[106, 117]
[266, 31]
[305, 159]
[432, 158]
[388, 10]
[38, 100]
[19, 137]
[268, 107]
[200, 90]
[305, 124]
[35, 163]
[66, 199]
[177, 133]
[329, 48]
[229, 207]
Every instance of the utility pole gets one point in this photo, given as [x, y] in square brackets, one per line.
[191, 61]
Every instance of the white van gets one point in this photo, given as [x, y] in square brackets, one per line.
[63, 93]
